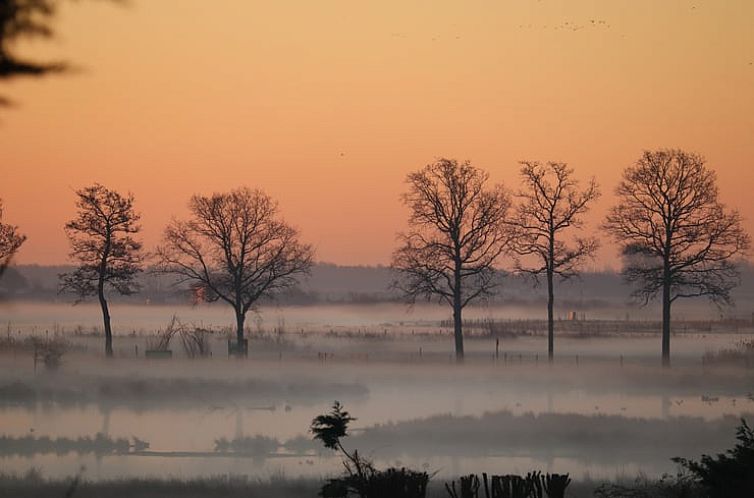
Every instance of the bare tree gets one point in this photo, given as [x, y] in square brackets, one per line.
[456, 234]
[676, 237]
[10, 241]
[101, 238]
[234, 248]
[551, 203]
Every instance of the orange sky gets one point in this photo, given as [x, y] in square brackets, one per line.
[328, 104]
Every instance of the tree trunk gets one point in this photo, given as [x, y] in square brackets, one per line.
[101, 296]
[457, 321]
[666, 323]
[550, 316]
[458, 329]
[240, 319]
[105, 319]
[666, 300]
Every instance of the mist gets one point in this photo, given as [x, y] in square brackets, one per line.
[604, 408]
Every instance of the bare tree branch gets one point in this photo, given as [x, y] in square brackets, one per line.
[10, 241]
[550, 203]
[676, 237]
[234, 248]
[101, 238]
[456, 236]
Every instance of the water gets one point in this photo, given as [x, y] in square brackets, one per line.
[376, 370]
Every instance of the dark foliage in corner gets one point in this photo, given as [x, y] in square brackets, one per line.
[729, 474]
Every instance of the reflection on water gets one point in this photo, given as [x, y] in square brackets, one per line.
[110, 467]
[392, 398]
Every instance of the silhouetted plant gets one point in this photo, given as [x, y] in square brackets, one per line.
[334, 488]
[25, 19]
[677, 239]
[195, 341]
[161, 340]
[555, 484]
[331, 427]
[729, 474]
[726, 475]
[533, 485]
[468, 487]
[551, 203]
[234, 248]
[678, 486]
[362, 478]
[456, 235]
[102, 241]
[10, 241]
[396, 483]
[742, 352]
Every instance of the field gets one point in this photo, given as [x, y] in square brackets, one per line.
[211, 425]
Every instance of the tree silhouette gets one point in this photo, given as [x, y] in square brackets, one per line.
[10, 241]
[236, 249]
[549, 204]
[676, 238]
[727, 474]
[101, 238]
[331, 427]
[456, 234]
[28, 19]
[24, 19]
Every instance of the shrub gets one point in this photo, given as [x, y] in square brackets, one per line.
[729, 474]
[362, 478]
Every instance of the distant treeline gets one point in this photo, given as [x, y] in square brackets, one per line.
[213, 393]
[336, 284]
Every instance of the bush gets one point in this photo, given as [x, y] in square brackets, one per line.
[362, 478]
[729, 474]
[680, 486]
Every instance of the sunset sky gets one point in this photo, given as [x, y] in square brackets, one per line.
[327, 105]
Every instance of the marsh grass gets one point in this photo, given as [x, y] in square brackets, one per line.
[741, 354]
[34, 485]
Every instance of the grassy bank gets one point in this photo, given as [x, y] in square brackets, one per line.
[33, 485]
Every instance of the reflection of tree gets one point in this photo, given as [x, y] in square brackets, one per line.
[105, 421]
